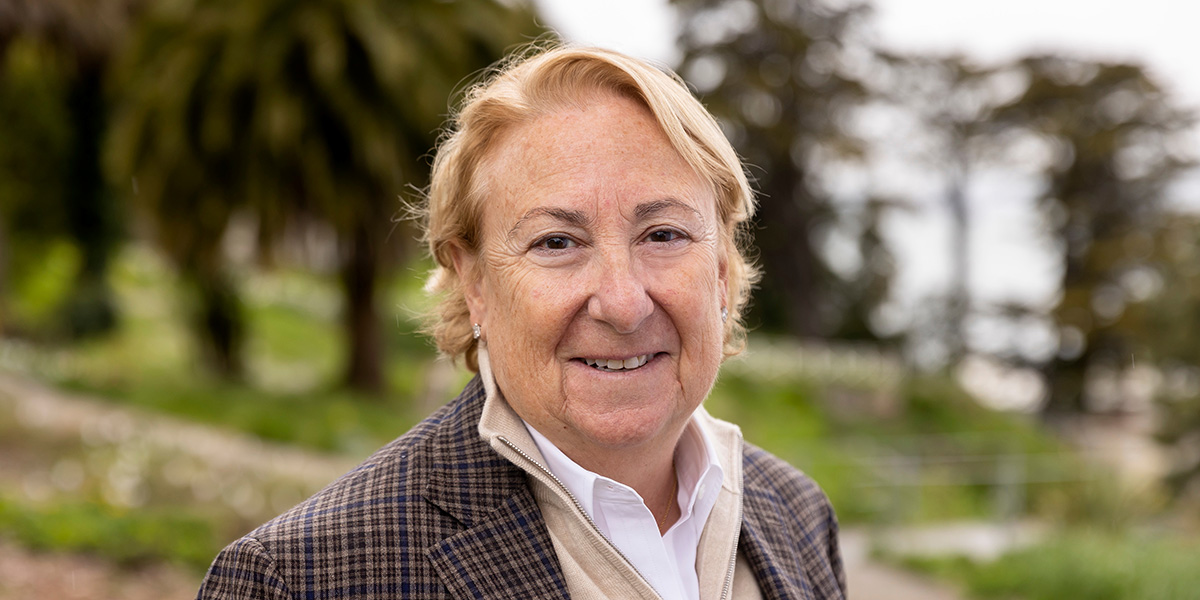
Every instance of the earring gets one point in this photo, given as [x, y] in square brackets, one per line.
[724, 314]
[475, 331]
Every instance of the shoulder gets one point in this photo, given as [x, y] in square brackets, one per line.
[768, 478]
[394, 476]
[373, 524]
[789, 524]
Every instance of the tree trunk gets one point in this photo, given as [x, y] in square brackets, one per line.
[1064, 399]
[220, 326]
[5, 243]
[90, 214]
[5, 252]
[792, 280]
[959, 303]
[360, 269]
[1066, 375]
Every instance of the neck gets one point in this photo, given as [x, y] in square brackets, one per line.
[648, 468]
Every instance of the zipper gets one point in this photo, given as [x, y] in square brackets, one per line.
[579, 507]
[737, 536]
[733, 559]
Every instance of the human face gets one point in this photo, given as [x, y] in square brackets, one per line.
[599, 246]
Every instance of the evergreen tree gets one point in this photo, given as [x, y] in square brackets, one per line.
[777, 75]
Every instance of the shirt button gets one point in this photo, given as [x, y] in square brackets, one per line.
[700, 492]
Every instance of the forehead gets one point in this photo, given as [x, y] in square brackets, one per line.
[609, 153]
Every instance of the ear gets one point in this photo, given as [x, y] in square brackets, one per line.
[466, 266]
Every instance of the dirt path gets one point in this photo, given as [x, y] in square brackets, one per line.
[26, 575]
[870, 580]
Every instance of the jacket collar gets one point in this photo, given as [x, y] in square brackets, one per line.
[504, 549]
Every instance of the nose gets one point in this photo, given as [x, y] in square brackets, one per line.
[619, 297]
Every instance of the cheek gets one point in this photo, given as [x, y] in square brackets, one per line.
[693, 299]
[528, 293]
[693, 287]
[532, 307]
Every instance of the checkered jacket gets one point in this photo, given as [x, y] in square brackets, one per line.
[438, 514]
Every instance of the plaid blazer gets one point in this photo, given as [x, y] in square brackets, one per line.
[438, 514]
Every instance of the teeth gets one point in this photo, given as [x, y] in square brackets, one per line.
[617, 364]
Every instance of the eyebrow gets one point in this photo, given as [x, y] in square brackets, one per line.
[655, 207]
[576, 218]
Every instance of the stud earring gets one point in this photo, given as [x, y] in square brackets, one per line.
[475, 331]
[724, 314]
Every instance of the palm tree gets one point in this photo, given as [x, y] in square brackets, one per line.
[295, 111]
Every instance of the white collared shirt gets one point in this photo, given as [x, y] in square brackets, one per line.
[668, 562]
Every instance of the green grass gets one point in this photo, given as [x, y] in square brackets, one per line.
[39, 290]
[850, 453]
[1084, 565]
[330, 420]
[294, 356]
[125, 536]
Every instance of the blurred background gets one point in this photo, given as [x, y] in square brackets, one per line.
[979, 226]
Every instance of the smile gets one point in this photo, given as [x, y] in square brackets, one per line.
[617, 364]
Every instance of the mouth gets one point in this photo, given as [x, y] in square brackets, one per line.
[617, 365]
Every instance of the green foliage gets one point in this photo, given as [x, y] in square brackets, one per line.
[36, 293]
[1114, 139]
[1082, 564]
[296, 113]
[778, 413]
[34, 141]
[126, 536]
[103, 486]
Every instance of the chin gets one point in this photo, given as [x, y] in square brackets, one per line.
[629, 426]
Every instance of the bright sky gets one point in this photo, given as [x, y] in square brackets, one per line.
[1160, 33]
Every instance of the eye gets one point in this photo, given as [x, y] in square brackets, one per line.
[555, 242]
[662, 236]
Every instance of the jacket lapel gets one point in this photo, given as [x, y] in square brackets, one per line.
[505, 555]
[775, 558]
[504, 549]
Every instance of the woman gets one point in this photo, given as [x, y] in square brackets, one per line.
[585, 213]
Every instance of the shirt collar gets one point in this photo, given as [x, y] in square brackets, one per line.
[697, 466]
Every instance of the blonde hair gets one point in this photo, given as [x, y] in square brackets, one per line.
[540, 81]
